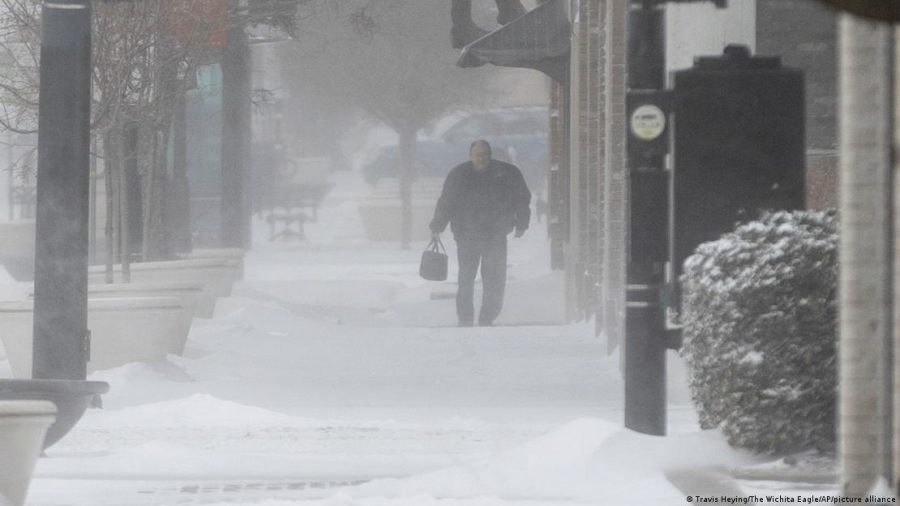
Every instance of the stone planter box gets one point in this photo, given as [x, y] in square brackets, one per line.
[381, 218]
[381, 211]
[71, 397]
[17, 248]
[123, 330]
[217, 275]
[236, 254]
[23, 426]
[191, 295]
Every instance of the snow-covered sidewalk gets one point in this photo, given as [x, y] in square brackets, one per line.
[335, 376]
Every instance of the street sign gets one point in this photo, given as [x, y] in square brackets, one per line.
[648, 126]
[647, 122]
[885, 10]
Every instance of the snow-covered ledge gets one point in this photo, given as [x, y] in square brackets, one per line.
[17, 248]
[23, 425]
[123, 330]
[217, 275]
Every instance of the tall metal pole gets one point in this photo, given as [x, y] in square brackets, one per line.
[236, 112]
[645, 336]
[61, 345]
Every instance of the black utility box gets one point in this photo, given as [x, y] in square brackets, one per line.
[739, 145]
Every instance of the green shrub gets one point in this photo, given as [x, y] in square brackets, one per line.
[760, 322]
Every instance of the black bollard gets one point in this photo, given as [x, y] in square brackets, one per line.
[61, 344]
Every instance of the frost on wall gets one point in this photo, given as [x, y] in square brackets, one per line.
[760, 317]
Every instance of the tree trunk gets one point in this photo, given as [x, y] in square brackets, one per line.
[155, 240]
[92, 206]
[864, 327]
[113, 166]
[180, 194]
[131, 198]
[407, 176]
[156, 231]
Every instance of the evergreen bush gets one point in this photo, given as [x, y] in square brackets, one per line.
[760, 316]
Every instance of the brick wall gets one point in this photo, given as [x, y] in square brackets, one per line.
[615, 205]
[804, 34]
[558, 178]
[588, 145]
[595, 250]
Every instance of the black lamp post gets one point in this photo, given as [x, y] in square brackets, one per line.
[645, 343]
[646, 335]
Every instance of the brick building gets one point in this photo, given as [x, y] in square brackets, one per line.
[587, 181]
[804, 34]
[593, 242]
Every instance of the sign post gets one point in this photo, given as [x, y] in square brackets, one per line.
[645, 335]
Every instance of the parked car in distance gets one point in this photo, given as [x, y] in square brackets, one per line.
[518, 135]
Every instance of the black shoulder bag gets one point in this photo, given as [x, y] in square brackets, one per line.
[433, 266]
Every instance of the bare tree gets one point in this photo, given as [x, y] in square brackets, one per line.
[391, 59]
[141, 68]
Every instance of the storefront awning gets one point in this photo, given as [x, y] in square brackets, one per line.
[539, 39]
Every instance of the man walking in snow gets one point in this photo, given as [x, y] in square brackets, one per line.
[483, 200]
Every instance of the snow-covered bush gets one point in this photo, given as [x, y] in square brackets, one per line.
[760, 332]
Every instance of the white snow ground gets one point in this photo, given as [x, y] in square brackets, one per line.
[334, 376]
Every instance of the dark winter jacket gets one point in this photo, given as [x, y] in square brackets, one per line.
[483, 204]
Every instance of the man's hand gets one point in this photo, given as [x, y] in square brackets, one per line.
[435, 236]
[520, 231]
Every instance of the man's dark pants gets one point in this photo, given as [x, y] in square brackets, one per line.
[491, 253]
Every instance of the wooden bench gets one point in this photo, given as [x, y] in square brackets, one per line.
[294, 205]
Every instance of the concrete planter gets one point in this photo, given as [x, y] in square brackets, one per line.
[17, 248]
[71, 397]
[382, 217]
[123, 330]
[236, 254]
[23, 426]
[217, 275]
[382, 210]
[191, 295]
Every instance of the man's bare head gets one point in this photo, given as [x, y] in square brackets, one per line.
[480, 154]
